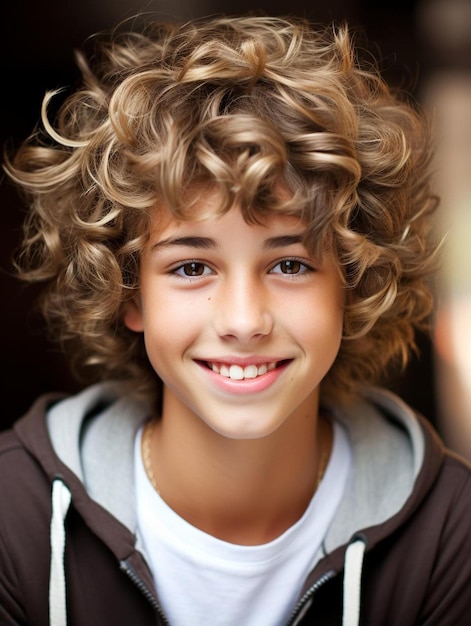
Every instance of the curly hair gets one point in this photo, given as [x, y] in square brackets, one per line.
[244, 104]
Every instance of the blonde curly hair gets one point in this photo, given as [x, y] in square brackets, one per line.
[244, 104]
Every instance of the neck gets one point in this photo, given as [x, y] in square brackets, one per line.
[242, 491]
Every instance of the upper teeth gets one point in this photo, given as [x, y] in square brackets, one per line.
[236, 372]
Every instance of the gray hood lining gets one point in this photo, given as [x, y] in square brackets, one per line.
[387, 453]
[97, 444]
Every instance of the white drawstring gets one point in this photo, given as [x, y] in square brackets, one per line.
[352, 582]
[61, 497]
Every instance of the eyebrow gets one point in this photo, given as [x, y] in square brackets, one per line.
[206, 243]
[282, 241]
[192, 242]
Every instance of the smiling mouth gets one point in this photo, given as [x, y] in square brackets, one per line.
[237, 372]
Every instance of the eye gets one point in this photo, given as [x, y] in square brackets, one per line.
[192, 269]
[291, 266]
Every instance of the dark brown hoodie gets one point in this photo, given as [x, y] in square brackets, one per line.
[397, 554]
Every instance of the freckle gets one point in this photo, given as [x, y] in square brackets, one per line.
[209, 298]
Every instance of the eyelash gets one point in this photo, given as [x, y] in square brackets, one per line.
[306, 268]
[179, 269]
[303, 268]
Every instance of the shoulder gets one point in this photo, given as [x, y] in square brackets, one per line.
[25, 483]
[443, 519]
[13, 457]
[457, 465]
[445, 535]
[24, 528]
[453, 484]
[22, 480]
[9, 442]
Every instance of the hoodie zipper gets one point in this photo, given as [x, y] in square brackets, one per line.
[293, 621]
[144, 589]
[298, 612]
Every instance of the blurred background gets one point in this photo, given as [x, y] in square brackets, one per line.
[425, 46]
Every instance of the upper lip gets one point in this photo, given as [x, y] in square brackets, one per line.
[243, 361]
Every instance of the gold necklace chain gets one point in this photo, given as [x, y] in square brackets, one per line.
[322, 468]
[146, 441]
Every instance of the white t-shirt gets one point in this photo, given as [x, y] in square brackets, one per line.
[203, 580]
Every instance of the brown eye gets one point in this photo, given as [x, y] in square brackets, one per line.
[193, 269]
[290, 266]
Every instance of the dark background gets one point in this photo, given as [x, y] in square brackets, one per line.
[36, 53]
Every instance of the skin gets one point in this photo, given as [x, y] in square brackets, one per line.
[238, 458]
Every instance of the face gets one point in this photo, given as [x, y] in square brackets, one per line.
[240, 322]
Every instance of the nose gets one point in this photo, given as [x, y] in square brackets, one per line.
[243, 311]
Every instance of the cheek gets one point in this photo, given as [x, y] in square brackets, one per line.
[320, 326]
[324, 331]
[170, 323]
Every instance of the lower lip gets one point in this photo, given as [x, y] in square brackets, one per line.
[246, 385]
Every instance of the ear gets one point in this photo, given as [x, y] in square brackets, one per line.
[132, 315]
